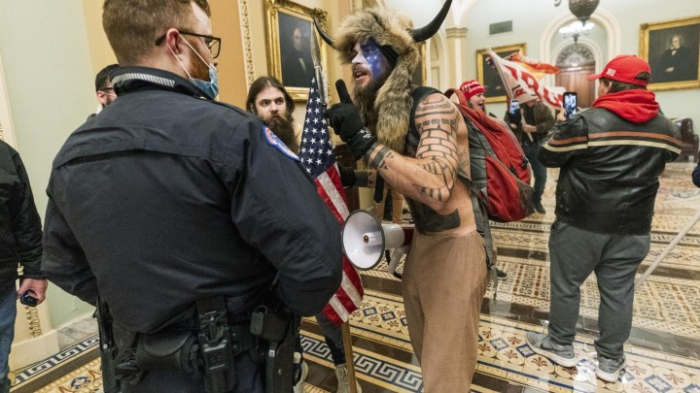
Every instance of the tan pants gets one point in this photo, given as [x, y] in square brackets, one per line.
[444, 281]
[396, 203]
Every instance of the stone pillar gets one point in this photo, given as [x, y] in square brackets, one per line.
[457, 55]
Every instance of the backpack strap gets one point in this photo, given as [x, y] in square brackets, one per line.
[481, 217]
[460, 96]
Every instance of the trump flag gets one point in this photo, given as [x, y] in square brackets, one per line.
[316, 153]
[523, 85]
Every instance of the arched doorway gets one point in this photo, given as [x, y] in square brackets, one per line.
[575, 63]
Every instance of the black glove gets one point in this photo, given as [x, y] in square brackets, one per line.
[347, 123]
[347, 176]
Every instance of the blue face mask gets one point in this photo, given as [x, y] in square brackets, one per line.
[210, 87]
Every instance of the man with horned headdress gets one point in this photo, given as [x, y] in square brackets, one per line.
[417, 140]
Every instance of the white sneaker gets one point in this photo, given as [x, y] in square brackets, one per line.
[299, 387]
[609, 370]
[341, 372]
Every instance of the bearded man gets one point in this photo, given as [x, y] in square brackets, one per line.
[269, 99]
[417, 140]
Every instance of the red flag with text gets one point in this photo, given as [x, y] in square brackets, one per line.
[537, 68]
[523, 85]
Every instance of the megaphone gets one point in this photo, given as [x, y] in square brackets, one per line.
[365, 240]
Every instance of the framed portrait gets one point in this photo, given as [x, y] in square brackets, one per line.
[672, 49]
[290, 30]
[488, 76]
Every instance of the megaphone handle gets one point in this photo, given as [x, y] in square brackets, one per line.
[379, 192]
[396, 258]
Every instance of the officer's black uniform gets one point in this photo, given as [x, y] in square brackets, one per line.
[164, 199]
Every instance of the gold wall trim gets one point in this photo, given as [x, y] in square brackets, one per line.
[34, 323]
[247, 43]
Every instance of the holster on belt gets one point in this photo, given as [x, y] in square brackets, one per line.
[216, 348]
[279, 330]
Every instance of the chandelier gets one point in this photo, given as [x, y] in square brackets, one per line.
[582, 9]
[576, 29]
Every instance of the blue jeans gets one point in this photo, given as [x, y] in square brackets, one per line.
[8, 312]
[539, 170]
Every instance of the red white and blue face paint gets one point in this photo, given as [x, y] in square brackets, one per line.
[369, 63]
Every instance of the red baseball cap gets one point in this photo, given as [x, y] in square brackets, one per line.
[624, 68]
[471, 88]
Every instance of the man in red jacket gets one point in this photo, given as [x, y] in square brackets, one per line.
[610, 159]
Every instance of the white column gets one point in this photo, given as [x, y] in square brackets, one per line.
[457, 52]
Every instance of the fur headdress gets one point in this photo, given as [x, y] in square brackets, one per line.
[392, 31]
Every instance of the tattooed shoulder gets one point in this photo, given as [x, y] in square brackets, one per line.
[436, 111]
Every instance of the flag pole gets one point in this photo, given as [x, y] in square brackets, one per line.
[688, 226]
[505, 84]
[349, 358]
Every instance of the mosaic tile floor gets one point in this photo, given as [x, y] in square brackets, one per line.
[663, 351]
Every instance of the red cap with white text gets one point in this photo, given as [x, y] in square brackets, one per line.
[624, 68]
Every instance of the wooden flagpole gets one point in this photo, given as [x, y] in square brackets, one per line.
[349, 363]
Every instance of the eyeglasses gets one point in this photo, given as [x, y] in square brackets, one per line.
[108, 91]
[213, 43]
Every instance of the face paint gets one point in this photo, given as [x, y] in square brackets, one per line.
[374, 57]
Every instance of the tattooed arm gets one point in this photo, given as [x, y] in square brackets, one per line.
[430, 177]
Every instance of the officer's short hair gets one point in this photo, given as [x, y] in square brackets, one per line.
[263, 83]
[132, 26]
[103, 76]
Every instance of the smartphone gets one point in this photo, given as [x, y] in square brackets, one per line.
[514, 107]
[27, 299]
[570, 103]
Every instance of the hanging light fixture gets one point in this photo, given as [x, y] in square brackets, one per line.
[582, 9]
[576, 29]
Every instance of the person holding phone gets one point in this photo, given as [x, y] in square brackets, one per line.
[570, 104]
[20, 242]
[610, 159]
[531, 120]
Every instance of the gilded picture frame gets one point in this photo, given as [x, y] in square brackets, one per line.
[672, 49]
[488, 76]
[288, 29]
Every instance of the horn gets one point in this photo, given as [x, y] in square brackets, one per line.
[427, 31]
[323, 34]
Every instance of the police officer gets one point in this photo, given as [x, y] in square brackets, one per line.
[169, 199]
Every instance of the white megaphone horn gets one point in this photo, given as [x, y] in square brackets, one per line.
[365, 240]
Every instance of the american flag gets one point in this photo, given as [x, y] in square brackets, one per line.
[316, 154]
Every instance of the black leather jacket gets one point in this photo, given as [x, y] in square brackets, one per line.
[610, 169]
[20, 225]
